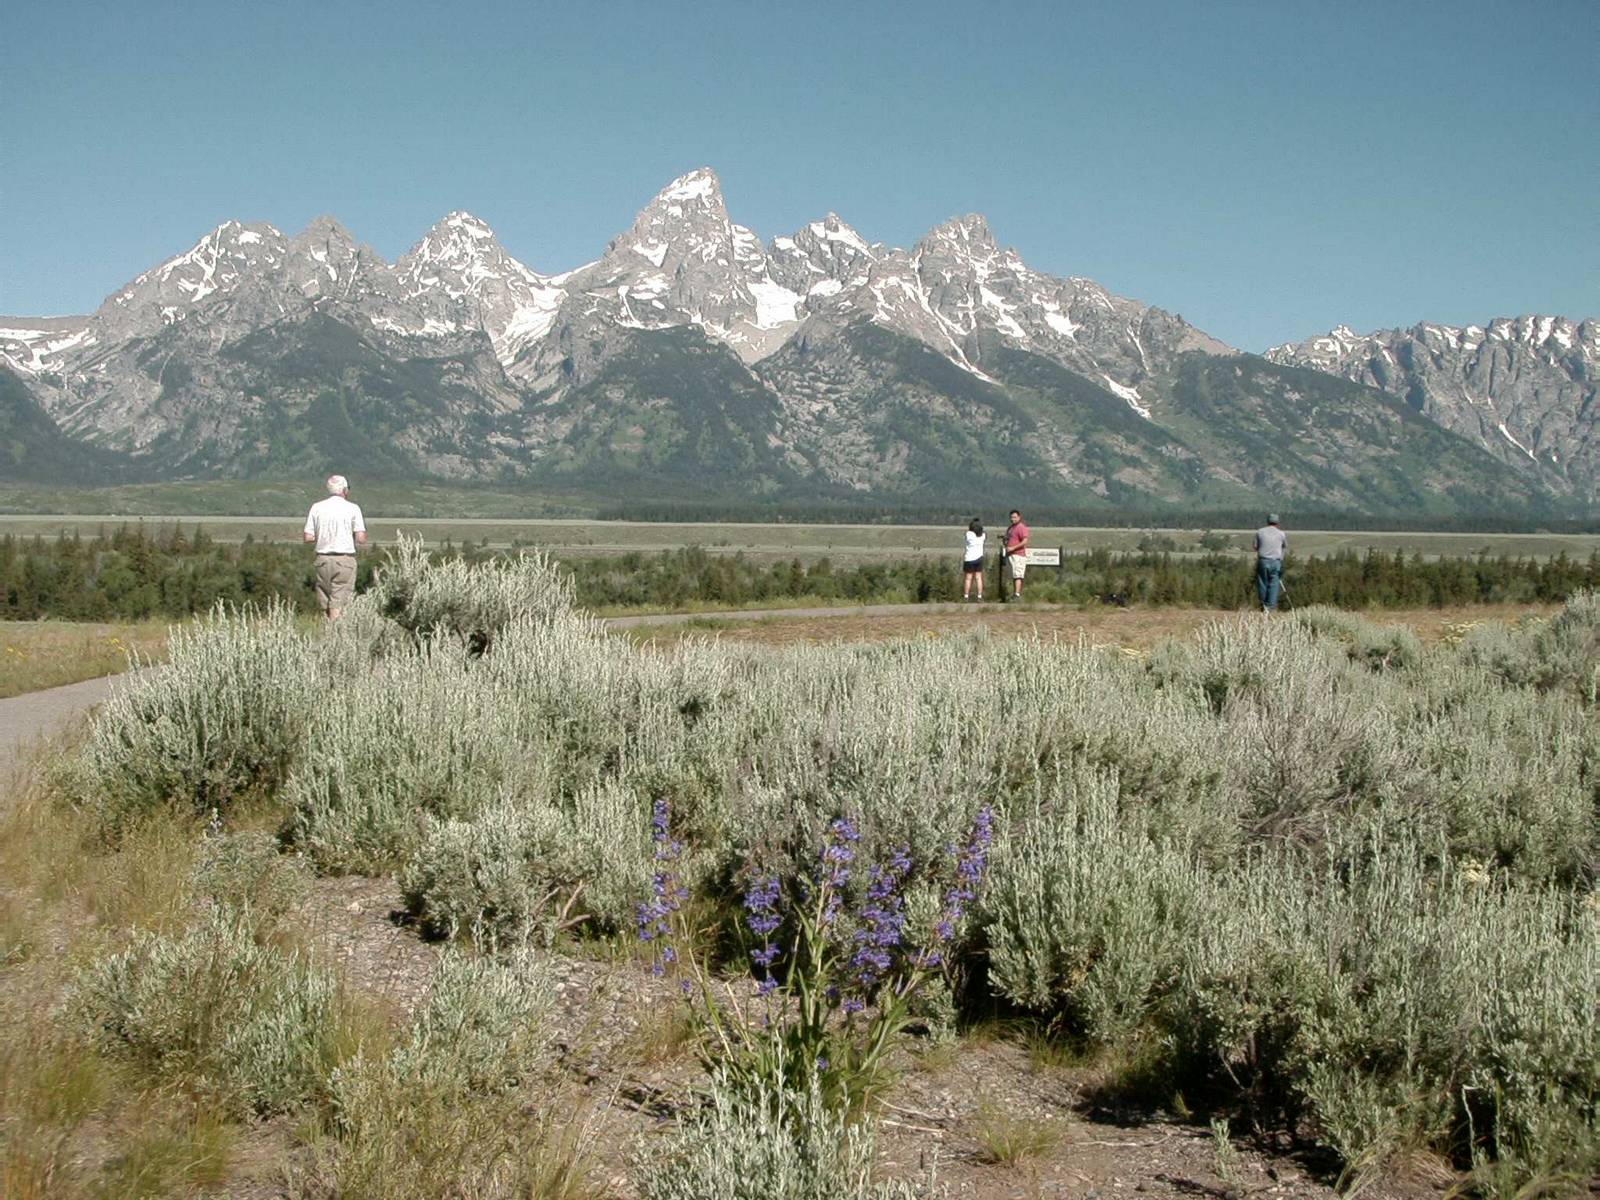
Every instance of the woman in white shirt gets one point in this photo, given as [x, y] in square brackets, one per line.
[972, 564]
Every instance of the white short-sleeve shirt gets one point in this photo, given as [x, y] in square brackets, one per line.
[334, 522]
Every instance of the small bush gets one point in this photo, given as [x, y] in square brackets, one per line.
[220, 724]
[518, 869]
[1562, 653]
[257, 1026]
[482, 1026]
[471, 602]
[772, 1146]
[1378, 647]
[433, 1117]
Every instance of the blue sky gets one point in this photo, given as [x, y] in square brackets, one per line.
[1267, 170]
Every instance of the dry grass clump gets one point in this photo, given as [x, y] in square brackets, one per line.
[1009, 1139]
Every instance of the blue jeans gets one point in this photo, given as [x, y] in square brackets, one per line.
[1269, 581]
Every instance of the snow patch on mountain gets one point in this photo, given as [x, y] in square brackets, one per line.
[1129, 394]
[35, 351]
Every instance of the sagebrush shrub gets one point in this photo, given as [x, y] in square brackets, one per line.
[779, 1144]
[469, 602]
[1341, 880]
[1560, 653]
[220, 723]
[211, 1007]
[482, 1026]
[420, 738]
[1379, 647]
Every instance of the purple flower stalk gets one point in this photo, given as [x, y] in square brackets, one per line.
[972, 862]
[761, 908]
[882, 923]
[838, 852]
[667, 894]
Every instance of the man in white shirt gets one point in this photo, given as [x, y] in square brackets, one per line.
[335, 525]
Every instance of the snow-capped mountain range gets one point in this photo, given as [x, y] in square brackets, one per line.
[473, 364]
[1522, 387]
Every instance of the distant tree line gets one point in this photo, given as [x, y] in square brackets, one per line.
[1348, 579]
[137, 572]
[852, 512]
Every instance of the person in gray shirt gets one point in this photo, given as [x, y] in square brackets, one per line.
[1271, 545]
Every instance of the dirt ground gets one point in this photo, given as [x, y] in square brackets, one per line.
[1138, 628]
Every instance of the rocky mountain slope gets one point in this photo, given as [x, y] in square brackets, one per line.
[1523, 388]
[693, 360]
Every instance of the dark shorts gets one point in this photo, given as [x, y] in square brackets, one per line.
[973, 566]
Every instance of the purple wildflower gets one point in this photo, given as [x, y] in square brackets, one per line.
[882, 925]
[838, 852]
[971, 863]
[761, 902]
[667, 893]
[761, 907]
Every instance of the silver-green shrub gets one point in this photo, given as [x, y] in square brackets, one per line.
[220, 723]
[519, 869]
[1379, 647]
[420, 738]
[470, 602]
[773, 1146]
[1086, 915]
[1348, 876]
[213, 1007]
[1560, 653]
[483, 1025]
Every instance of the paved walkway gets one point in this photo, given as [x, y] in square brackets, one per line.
[26, 721]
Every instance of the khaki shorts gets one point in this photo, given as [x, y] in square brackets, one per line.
[336, 580]
[1017, 564]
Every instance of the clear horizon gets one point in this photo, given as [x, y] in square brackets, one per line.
[1261, 170]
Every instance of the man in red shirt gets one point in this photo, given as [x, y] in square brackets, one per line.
[1016, 546]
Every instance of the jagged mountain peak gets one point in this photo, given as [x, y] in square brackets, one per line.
[459, 218]
[971, 230]
[698, 187]
[463, 242]
[327, 231]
